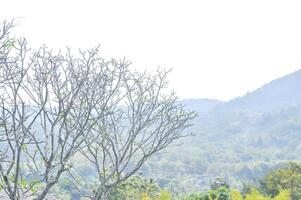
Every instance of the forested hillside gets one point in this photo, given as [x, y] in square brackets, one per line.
[239, 140]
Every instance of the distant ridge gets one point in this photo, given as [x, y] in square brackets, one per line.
[244, 137]
[280, 93]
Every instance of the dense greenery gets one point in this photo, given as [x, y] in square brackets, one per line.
[241, 147]
[240, 140]
[279, 184]
[287, 178]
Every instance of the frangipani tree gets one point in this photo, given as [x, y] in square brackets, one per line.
[57, 105]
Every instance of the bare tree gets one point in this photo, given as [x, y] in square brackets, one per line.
[58, 91]
[14, 113]
[8, 53]
[143, 119]
[55, 106]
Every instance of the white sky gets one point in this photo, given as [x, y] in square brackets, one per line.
[217, 48]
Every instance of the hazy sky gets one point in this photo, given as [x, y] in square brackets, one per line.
[217, 48]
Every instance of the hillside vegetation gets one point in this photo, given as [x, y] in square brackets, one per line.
[239, 140]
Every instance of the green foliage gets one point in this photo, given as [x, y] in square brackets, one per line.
[283, 195]
[136, 188]
[245, 145]
[286, 178]
[221, 193]
[9, 43]
[255, 195]
[165, 195]
[23, 183]
[199, 196]
[144, 196]
[246, 188]
[236, 195]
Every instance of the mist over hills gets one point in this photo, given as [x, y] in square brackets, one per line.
[280, 93]
[201, 106]
[239, 140]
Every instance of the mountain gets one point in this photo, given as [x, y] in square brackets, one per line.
[240, 139]
[280, 93]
